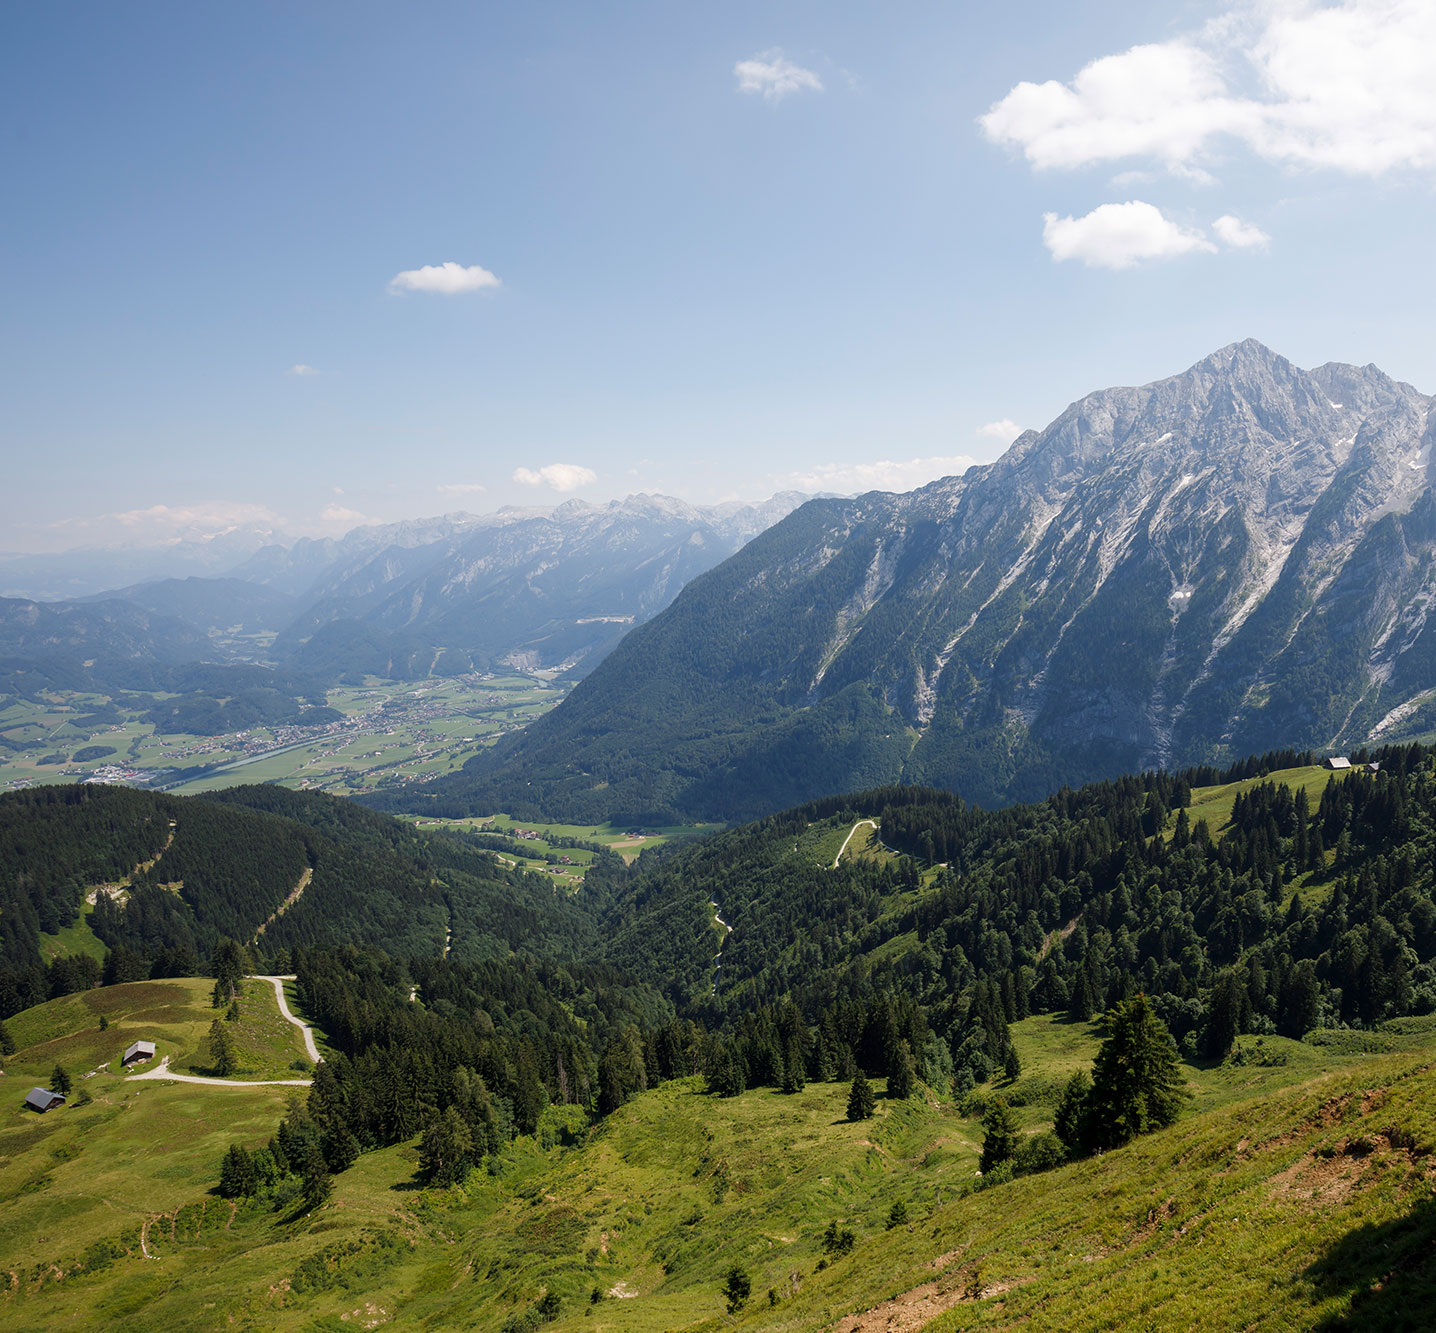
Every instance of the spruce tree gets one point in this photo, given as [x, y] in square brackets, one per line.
[237, 1176]
[221, 1050]
[861, 1102]
[60, 1080]
[445, 1150]
[1000, 1142]
[737, 1286]
[795, 1076]
[900, 1074]
[1136, 1081]
[1071, 1119]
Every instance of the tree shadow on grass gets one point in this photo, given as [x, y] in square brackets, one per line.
[1388, 1270]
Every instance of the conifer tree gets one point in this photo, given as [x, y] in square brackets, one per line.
[1000, 1141]
[60, 1080]
[1071, 1119]
[221, 1049]
[1136, 1081]
[445, 1150]
[900, 1074]
[237, 1177]
[861, 1102]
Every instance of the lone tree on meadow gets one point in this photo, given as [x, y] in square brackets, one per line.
[228, 965]
[222, 1050]
[60, 1080]
[1137, 1082]
[861, 1101]
[737, 1287]
[1000, 1142]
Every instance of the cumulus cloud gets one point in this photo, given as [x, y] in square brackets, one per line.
[461, 488]
[886, 475]
[301, 369]
[773, 76]
[1119, 236]
[1004, 431]
[556, 476]
[446, 279]
[1240, 235]
[1349, 86]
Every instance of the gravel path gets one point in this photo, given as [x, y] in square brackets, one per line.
[869, 822]
[278, 984]
[162, 1071]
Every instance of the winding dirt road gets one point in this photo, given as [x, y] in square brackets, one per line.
[278, 984]
[871, 823]
[162, 1070]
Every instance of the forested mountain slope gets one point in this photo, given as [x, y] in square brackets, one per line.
[1295, 913]
[256, 864]
[1240, 557]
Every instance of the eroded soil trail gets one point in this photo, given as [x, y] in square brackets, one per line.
[289, 902]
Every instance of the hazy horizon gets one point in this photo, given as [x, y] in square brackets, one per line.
[308, 269]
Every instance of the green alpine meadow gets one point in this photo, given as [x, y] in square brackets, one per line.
[1117, 1058]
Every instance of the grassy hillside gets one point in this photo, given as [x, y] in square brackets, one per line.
[1292, 1194]
[174, 1014]
[91, 1173]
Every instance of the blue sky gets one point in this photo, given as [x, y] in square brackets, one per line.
[712, 251]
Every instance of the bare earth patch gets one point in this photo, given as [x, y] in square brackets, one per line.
[915, 1309]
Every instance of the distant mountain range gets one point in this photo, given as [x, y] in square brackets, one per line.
[531, 588]
[522, 587]
[1237, 558]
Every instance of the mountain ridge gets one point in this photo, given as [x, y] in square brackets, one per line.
[1232, 559]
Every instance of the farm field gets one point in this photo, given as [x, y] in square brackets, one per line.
[393, 733]
[540, 846]
[1253, 1196]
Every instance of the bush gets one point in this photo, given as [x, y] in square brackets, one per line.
[737, 1287]
[1041, 1152]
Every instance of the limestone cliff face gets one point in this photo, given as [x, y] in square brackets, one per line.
[1239, 557]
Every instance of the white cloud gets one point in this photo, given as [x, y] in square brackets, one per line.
[556, 476]
[772, 75]
[167, 525]
[1349, 86]
[301, 369]
[447, 279]
[886, 475]
[1240, 235]
[1005, 430]
[462, 488]
[1119, 236]
[332, 513]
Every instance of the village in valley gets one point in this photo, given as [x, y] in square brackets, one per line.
[390, 734]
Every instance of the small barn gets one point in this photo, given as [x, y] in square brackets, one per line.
[138, 1053]
[42, 1100]
[1336, 761]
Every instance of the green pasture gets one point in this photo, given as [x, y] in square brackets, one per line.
[1214, 804]
[1295, 1191]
